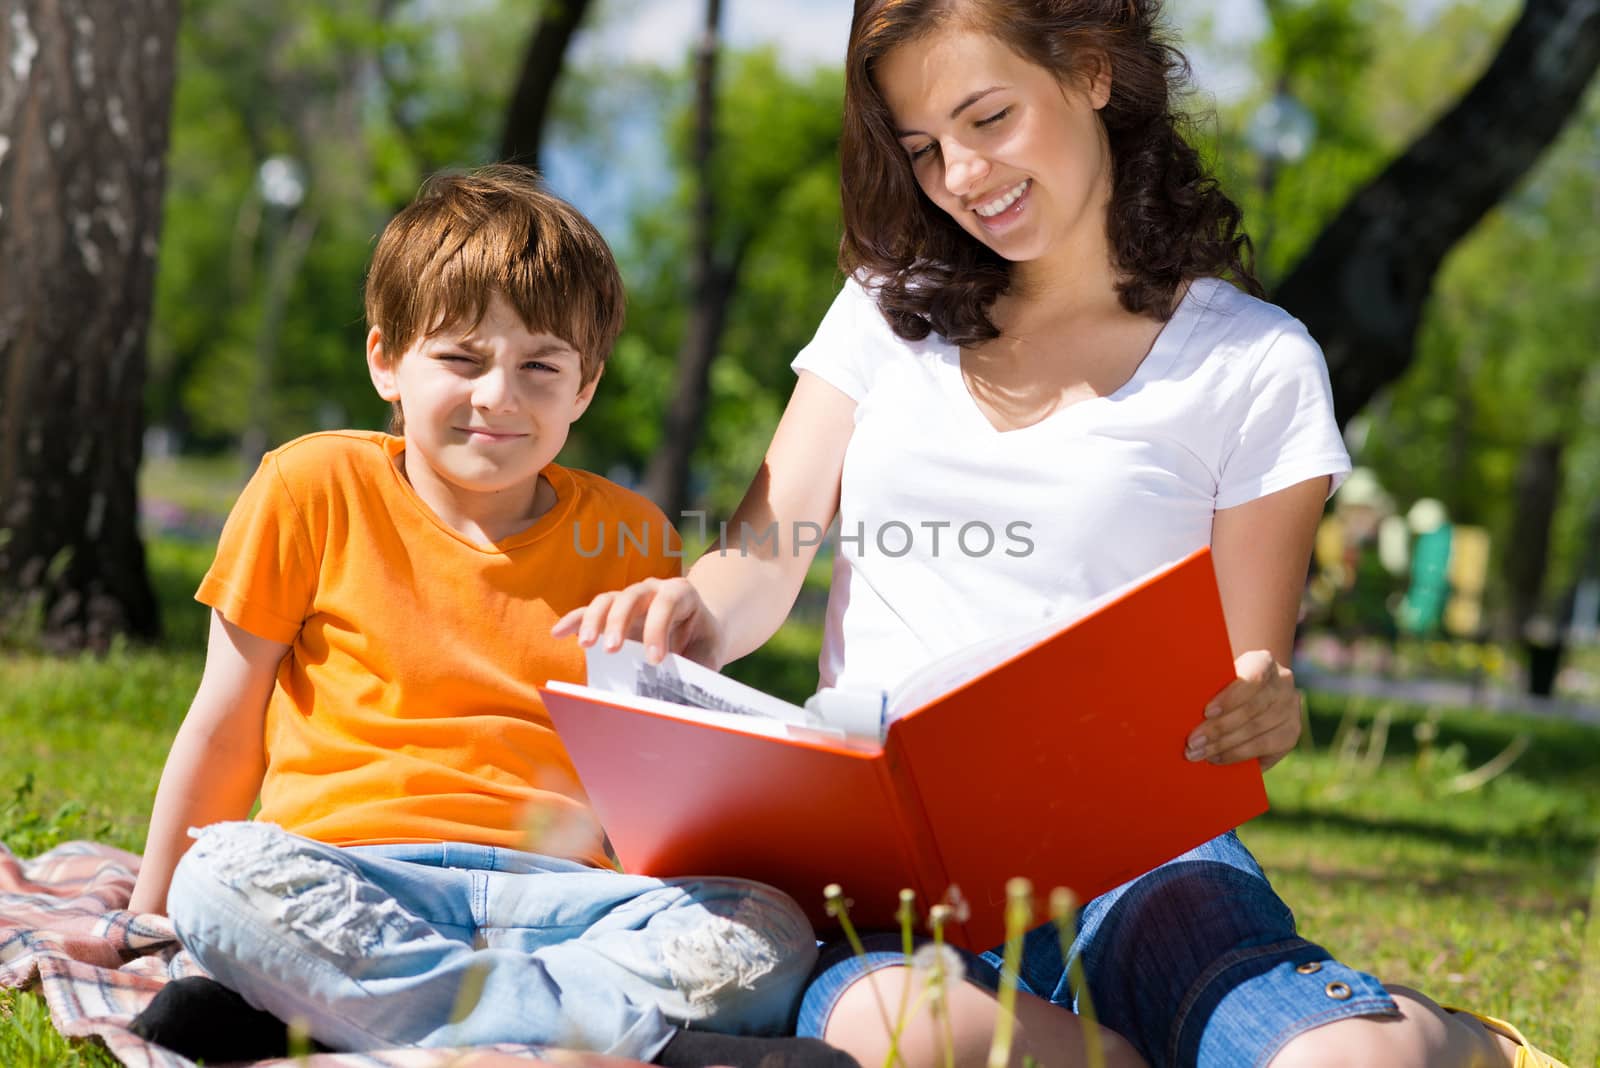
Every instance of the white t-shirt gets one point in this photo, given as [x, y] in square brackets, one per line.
[952, 531]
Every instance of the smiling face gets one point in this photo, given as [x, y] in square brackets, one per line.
[1017, 158]
[486, 408]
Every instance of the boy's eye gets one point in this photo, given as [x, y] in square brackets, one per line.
[454, 357]
[996, 117]
[540, 365]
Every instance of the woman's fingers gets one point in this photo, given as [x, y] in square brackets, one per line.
[1268, 729]
[1255, 716]
[568, 624]
[664, 614]
[666, 622]
[626, 615]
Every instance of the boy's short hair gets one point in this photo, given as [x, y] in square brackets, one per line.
[496, 229]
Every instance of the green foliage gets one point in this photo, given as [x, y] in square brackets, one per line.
[368, 106]
[776, 168]
[1507, 357]
[27, 1039]
[1506, 354]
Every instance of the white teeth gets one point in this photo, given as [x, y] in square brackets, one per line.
[1001, 203]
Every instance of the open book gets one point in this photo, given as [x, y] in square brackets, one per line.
[1055, 754]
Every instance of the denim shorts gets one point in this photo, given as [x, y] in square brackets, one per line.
[1196, 963]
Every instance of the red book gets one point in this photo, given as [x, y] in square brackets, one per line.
[1062, 762]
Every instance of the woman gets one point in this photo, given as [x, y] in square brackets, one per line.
[1034, 331]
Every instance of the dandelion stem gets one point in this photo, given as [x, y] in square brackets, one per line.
[1063, 912]
[937, 916]
[838, 906]
[1019, 914]
[907, 915]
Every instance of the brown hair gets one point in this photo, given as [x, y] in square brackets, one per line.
[1168, 220]
[494, 230]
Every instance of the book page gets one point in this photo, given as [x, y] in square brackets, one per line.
[681, 681]
[745, 723]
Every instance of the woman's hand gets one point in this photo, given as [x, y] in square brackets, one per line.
[667, 615]
[1256, 715]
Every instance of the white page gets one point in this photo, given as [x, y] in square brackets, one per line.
[681, 684]
[681, 681]
[746, 722]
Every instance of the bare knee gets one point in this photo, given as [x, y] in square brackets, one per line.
[1422, 1036]
[894, 1006]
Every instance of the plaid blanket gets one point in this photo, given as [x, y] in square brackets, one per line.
[64, 925]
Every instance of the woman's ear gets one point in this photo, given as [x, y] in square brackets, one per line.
[1097, 79]
[381, 367]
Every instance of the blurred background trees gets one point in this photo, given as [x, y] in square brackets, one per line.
[297, 131]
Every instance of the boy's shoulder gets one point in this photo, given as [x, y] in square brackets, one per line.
[332, 456]
[617, 523]
[605, 499]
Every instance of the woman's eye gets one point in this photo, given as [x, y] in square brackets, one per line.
[922, 153]
[996, 117]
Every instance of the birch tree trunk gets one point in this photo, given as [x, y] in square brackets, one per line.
[85, 108]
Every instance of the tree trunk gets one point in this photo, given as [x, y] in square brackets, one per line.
[1362, 286]
[1538, 492]
[85, 107]
[541, 66]
[711, 286]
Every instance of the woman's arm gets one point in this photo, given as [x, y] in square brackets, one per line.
[217, 761]
[1261, 551]
[737, 595]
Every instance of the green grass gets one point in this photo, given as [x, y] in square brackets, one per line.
[1478, 897]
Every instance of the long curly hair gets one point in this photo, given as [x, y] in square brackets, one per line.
[1168, 222]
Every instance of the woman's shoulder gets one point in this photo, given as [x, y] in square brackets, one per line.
[1235, 332]
[854, 345]
[1229, 310]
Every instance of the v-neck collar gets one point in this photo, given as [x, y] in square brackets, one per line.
[1169, 342]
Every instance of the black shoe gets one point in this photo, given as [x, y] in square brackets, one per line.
[204, 1020]
[697, 1049]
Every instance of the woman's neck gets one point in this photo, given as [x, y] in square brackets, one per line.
[1073, 280]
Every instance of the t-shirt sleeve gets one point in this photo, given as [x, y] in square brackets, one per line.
[1287, 432]
[835, 353]
[666, 562]
[264, 574]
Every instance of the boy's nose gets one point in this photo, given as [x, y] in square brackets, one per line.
[493, 390]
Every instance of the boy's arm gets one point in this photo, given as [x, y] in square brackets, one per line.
[214, 770]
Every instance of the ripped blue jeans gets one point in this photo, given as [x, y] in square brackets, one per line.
[464, 945]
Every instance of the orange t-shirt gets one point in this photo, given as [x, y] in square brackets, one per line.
[406, 709]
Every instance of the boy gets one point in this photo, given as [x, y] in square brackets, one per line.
[382, 607]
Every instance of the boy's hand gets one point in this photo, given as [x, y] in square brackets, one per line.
[1256, 715]
[667, 615]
